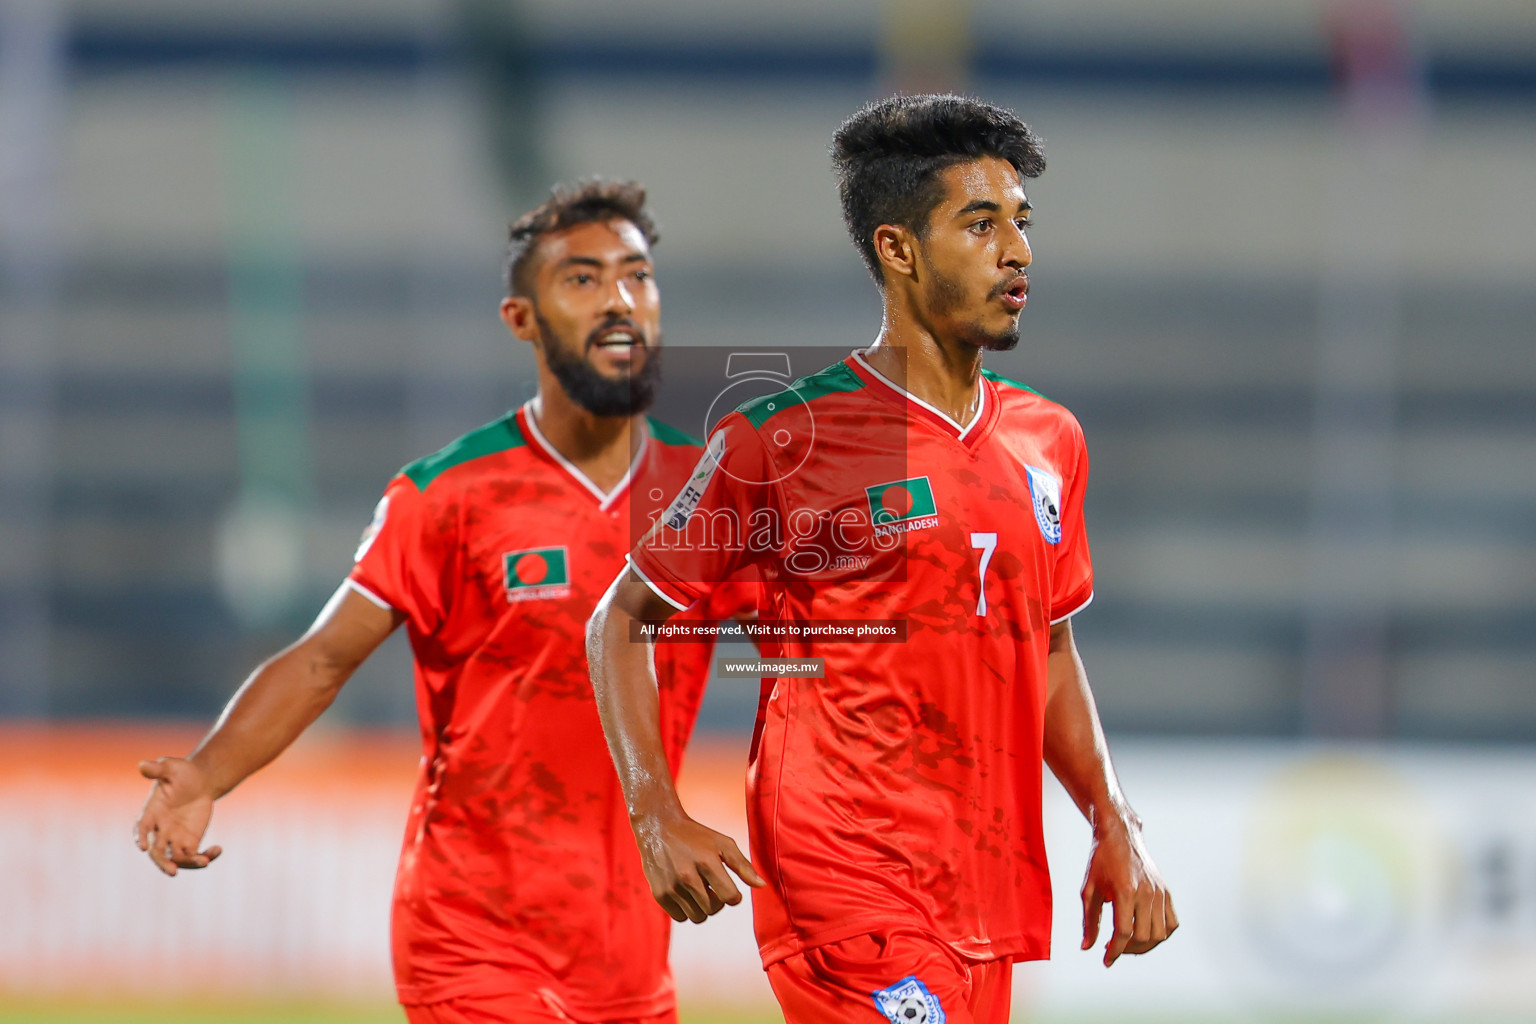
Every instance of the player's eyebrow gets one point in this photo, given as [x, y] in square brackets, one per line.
[978, 205]
[593, 261]
[989, 206]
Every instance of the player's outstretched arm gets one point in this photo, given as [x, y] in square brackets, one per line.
[279, 700]
[684, 861]
[1120, 871]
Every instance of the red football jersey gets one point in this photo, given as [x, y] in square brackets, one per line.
[519, 871]
[904, 788]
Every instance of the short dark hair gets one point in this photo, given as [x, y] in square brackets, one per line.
[888, 157]
[587, 201]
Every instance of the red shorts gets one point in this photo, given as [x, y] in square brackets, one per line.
[523, 1008]
[903, 977]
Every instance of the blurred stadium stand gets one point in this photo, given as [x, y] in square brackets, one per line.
[278, 228]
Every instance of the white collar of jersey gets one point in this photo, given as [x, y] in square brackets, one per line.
[604, 498]
[961, 429]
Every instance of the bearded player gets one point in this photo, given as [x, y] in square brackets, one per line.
[519, 895]
[895, 803]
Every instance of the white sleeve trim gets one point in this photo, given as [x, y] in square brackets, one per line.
[1074, 611]
[657, 590]
[370, 595]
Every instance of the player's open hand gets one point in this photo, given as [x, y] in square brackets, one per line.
[685, 862]
[1122, 874]
[176, 815]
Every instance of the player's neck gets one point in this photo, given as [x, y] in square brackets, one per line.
[602, 447]
[946, 375]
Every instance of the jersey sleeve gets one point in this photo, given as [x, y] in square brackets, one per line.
[682, 667]
[722, 521]
[1072, 580]
[739, 598]
[402, 561]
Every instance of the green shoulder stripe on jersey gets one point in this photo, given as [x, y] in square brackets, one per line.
[997, 378]
[671, 435]
[833, 380]
[488, 440]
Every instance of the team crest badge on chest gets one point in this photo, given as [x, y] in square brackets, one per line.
[536, 573]
[909, 1002]
[1045, 491]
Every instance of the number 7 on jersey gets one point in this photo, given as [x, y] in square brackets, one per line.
[986, 543]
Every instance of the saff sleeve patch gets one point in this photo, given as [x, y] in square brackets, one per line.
[681, 510]
[371, 531]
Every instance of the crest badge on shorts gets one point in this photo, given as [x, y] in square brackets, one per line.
[1045, 493]
[909, 1002]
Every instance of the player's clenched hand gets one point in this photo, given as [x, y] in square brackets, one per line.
[176, 815]
[1121, 873]
[685, 862]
